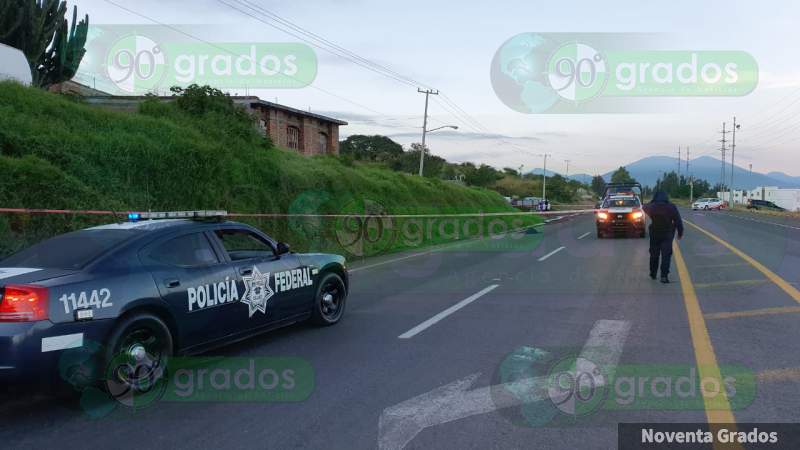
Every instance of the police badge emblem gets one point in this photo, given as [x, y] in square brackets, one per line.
[257, 291]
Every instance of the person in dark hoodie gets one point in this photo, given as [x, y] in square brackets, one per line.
[665, 221]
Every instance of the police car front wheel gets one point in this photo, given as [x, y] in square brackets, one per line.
[330, 300]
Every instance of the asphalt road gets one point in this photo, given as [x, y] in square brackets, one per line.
[448, 349]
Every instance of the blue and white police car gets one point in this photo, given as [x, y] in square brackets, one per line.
[161, 284]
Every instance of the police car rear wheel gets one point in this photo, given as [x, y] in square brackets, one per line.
[330, 301]
[137, 360]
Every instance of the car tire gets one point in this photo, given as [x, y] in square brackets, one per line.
[136, 359]
[642, 234]
[599, 234]
[330, 300]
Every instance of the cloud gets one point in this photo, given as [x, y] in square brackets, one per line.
[470, 135]
[371, 120]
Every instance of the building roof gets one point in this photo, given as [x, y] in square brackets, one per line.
[252, 100]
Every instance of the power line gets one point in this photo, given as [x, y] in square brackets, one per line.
[327, 45]
[284, 25]
[331, 47]
[189, 35]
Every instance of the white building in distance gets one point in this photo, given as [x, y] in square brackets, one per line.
[788, 199]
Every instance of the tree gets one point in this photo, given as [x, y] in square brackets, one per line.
[409, 162]
[371, 148]
[53, 48]
[598, 185]
[483, 176]
[622, 175]
[561, 189]
[679, 187]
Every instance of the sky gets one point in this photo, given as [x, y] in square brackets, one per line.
[450, 46]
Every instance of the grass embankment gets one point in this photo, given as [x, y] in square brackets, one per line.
[58, 153]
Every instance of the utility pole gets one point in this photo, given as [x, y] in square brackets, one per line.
[567, 161]
[679, 162]
[544, 177]
[687, 161]
[690, 178]
[736, 126]
[723, 149]
[427, 93]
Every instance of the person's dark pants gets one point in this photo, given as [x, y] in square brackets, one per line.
[660, 249]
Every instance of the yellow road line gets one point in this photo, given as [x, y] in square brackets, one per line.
[730, 283]
[775, 278]
[719, 266]
[792, 374]
[718, 409]
[754, 312]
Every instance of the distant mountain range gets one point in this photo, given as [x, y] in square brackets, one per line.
[582, 177]
[648, 170]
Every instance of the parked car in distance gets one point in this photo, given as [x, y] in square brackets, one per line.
[708, 204]
[763, 204]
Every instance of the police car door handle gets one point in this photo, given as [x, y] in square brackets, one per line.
[246, 271]
[172, 283]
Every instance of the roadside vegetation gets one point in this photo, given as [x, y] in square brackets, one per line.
[200, 152]
[384, 152]
[678, 187]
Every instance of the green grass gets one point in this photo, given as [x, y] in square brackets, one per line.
[58, 153]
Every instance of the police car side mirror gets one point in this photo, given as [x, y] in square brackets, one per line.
[283, 248]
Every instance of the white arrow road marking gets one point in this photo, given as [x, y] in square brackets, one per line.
[543, 258]
[399, 424]
[433, 320]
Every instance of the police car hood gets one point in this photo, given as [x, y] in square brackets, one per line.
[27, 275]
[320, 260]
[620, 210]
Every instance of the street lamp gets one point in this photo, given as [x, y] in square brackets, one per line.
[455, 127]
[425, 131]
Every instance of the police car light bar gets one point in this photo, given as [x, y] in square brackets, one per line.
[134, 216]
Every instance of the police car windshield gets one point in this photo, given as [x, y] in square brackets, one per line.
[68, 251]
[622, 202]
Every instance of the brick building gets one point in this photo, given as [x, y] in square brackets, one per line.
[306, 132]
[290, 128]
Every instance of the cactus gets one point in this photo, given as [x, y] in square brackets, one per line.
[62, 60]
[37, 27]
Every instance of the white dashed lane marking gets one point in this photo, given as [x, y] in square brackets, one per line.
[545, 257]
[438, 317]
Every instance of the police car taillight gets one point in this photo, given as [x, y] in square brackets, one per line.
[21, 303]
